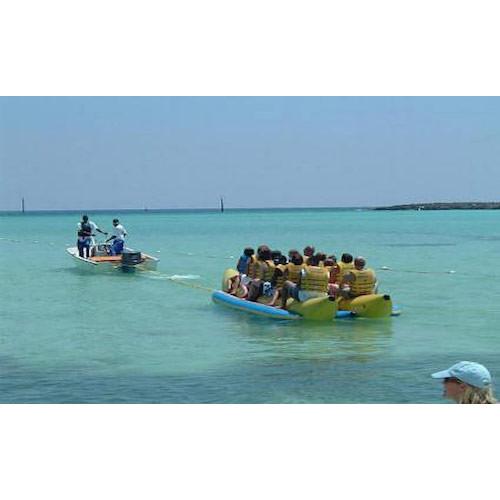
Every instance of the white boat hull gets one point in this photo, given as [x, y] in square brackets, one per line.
[150, 263]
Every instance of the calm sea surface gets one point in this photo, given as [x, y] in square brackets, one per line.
[71, 337]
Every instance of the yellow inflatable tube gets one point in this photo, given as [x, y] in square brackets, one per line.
[226, 279]
[368, 306]
[318, 309]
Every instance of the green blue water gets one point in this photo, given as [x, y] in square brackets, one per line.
[68, 336]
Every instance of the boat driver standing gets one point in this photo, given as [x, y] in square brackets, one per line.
[93, 228]
[84, 238]
[118, 238]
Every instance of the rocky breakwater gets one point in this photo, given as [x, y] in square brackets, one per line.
[445, 206]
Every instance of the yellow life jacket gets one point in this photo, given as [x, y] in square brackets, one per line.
[252, 267]
[293, 271]
[281, 278]
[315, 279]
[364, 281]
[265, 270]
[343, 270]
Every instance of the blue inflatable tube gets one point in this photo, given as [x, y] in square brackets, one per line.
[261, 309]
[252, 307]
[344, 314]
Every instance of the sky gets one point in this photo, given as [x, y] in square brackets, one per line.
[83, 153]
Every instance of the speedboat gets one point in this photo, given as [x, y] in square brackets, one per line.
[99, 258]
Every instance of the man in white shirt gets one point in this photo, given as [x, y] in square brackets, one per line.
[93, 227]
[118, 238]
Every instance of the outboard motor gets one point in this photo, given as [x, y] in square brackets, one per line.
[130, 260]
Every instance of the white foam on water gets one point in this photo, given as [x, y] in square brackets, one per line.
[155, 275]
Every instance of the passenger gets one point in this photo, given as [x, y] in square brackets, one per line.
[238, 284]
[261, 284]
[276, 256]
[294, 267]
[333, 269]
[344, 266]
[321, 258]
[244, 260]
[118, 238]
[330, 262]
[278, 279]
[359, 281]
[467, 382]
[252, 266]
[308, 252]
[313, 282]
[84, 238]
[93, 228]
[291, 253]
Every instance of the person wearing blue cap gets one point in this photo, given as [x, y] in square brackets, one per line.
[467, 382]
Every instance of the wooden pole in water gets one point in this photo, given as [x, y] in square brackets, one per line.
[222, 204]
[22, 205]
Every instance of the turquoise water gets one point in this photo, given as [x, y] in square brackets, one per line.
[72, 337]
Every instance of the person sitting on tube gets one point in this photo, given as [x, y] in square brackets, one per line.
[261, 284]
[294, 267]
[321, 259]
[313, 282]
[359, 281]
[345, 265]
[308, 252]
[239, 283]
[278, 278]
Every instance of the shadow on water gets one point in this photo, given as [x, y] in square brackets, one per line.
[356, 340]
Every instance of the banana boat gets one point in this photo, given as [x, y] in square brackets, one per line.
[318, 309]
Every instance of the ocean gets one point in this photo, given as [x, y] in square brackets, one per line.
[68, 336]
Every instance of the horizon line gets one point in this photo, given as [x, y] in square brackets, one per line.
[217, 209]
[214, 209]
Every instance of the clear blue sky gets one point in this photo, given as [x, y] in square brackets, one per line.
[91, 153]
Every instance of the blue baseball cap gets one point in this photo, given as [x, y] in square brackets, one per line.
[469, 372]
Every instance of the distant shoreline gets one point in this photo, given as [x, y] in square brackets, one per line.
[490, 205]
[410, 206]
